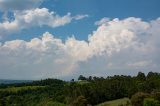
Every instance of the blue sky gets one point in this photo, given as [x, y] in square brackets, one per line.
[145, 9]
[66, 38]
[96, 9]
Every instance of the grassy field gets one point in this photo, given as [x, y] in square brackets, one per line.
[16, 89]
[117, 102]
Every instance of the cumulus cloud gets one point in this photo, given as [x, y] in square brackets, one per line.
[41, 58]
[116, 47]
[13, 5]
[35, 18]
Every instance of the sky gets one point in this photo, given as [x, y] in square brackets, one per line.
[66, 38]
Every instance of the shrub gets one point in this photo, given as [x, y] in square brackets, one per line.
[137, 99]
[157, 96]
[80, 101]
[150, 102]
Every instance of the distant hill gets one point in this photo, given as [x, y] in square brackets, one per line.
[6, 81]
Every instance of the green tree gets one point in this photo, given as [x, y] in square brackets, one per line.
[141, 76]
[81, 77]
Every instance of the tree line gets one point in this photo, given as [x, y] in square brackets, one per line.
[87, 91]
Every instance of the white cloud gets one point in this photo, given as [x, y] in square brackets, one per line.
[38, 58]
[78, 17]
[40, 17]
[12, 5]
[109, 40]
[114, 48]
[102, 21]
[35, 18]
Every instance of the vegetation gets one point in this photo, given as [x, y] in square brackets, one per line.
[139, 90]
[16, 89]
